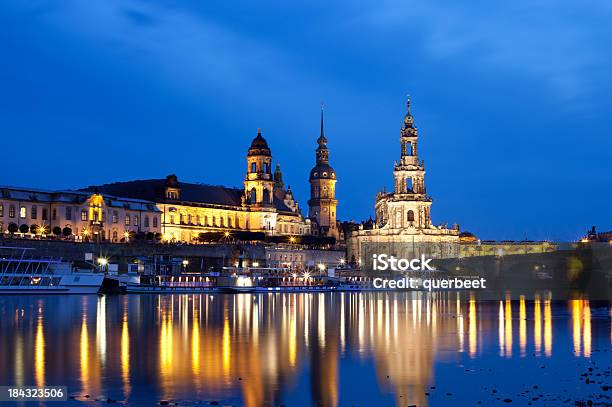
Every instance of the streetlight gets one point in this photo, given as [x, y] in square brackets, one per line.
[321, 266]
[292, 239]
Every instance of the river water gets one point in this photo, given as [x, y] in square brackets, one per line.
[328, 349]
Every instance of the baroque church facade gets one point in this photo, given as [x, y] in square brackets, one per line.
[403, 224]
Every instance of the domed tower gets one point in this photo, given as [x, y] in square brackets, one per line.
[322, 203]
[259, 183]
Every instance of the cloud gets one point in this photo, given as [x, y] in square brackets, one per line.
[560, 44]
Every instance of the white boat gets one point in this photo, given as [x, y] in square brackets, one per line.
[22, 273]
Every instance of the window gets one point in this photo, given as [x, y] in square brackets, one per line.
[154, 221]
[198, 220]
[34, 212]
[136, 221]
[127, 220]
[12, 211]
[1, 210]
[253, 195]
[253, 167]
[172, 219]
[146, 221]
[265, 167]
[68, 213]
[214, 221]
[23, 212]
[115, 217]
[181, 218]
[410, 216]
[189, 219]
[229, 222]
[408, 184]
[206, 220]
[114, 235]
[83, 215]
[53, 213]
[221, 222]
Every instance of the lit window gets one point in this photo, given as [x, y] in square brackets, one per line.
[83, 215]
[135, 220]
[127, 220]
[23, 212]
[1, 210]
[115, 216]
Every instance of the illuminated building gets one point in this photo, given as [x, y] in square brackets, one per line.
[75, 214]
[403, 217]
[188, 209]
[322, 204]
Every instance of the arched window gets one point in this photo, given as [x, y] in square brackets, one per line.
[267, 197]
[410, 216]
[409, 148]
[214, 221]
[253, 197]
[408, 184]
[114, 235]
[266, 167]
[253, 167]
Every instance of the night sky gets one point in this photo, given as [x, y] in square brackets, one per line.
[512, 101]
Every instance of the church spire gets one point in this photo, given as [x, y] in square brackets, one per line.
[322, 140]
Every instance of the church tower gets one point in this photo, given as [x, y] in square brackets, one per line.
[410, 206]
[322, 203]
[259, 183]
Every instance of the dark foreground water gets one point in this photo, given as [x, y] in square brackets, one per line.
[333, 349]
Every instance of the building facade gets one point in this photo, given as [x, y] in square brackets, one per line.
[403, 222]
[322, 204]
[76, 215]
[189, 209]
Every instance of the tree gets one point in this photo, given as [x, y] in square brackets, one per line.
[13, 228]
[159, 237]
[33, 229]
[24, 228]
[57, 231]
[150, 236]
[141, 236]
[67, 231]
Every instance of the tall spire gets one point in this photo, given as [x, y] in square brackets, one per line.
[322, 139]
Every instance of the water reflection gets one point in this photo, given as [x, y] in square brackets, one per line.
[262, 349]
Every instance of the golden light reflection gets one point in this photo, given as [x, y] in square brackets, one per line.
[195, 342]
[125, 355]
[473, 333]
[166, 348]
[39, 350]
[537, 325]
[522, 326]
[587, 328]
[502, 335]
[508, 327]
[547, 328]
[226, 347]
[84, 354]
[576, 325]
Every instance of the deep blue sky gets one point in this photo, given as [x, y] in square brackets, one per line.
[513, 102]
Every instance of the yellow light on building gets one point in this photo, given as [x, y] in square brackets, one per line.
[102, 261]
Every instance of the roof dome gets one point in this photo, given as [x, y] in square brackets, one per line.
[322, 171]
[259, 145]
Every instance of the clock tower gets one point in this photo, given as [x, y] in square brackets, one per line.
[322, 203]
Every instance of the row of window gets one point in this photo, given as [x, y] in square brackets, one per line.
[197, 220]
[44, 215]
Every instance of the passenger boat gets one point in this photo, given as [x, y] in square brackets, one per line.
[23, 273]
[186, 283]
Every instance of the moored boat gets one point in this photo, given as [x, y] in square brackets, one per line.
[23, 273]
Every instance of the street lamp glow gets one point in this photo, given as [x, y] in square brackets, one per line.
[102, 261]
[185, 262]
[255, 264]
[306, 275]
[292, 239]
[226, 234]
[321, 266]
[342, 261]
